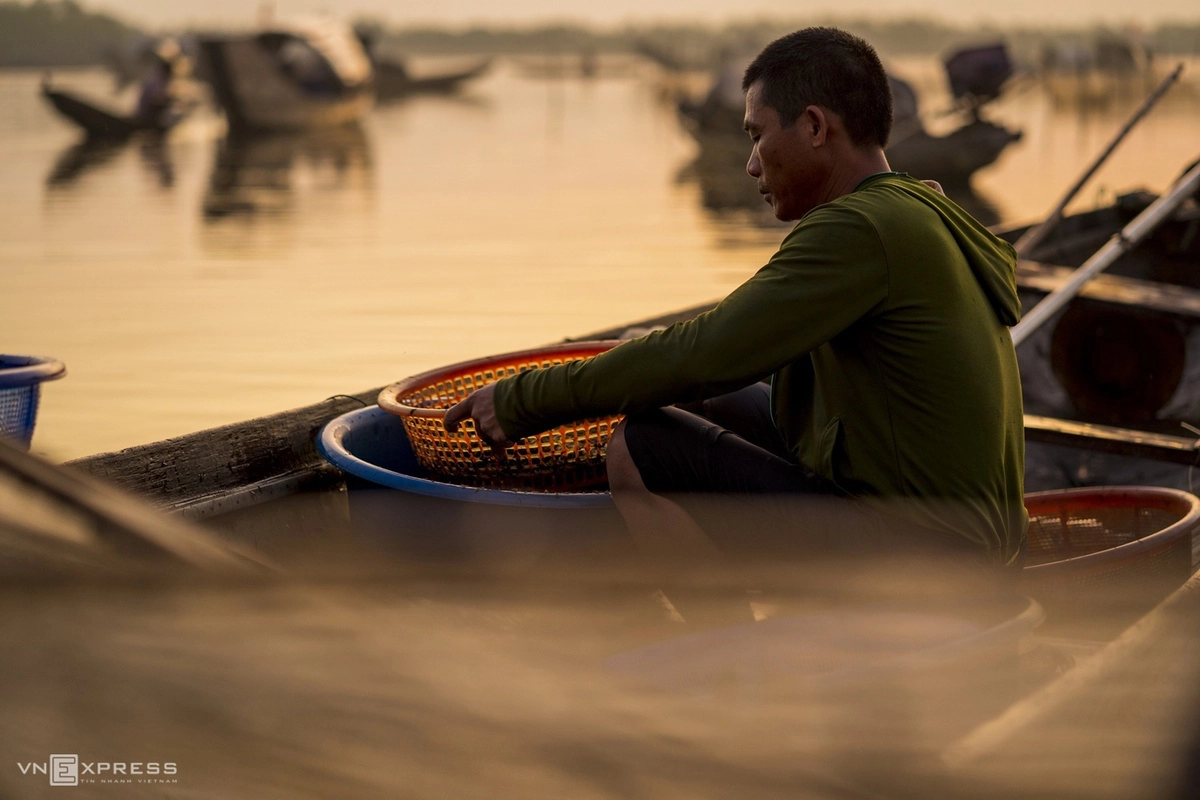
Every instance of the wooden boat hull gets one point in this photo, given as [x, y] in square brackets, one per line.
[393, 81]
[953, 158]
[256, 94]
[1127, 350]
[1124, 353]
[225, 472]
[221, 473]
[96, 122]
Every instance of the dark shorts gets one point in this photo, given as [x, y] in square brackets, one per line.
[726, 444]
[724, 461]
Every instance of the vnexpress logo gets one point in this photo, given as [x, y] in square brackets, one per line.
[64, 770]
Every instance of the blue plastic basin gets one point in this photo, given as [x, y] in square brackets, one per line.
[394, 500]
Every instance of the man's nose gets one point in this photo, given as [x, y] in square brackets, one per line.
[753, 166]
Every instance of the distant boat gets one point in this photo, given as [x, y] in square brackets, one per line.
[98, 122]
[394, 80]
[168, 93]
[305, 74]
[952, 158]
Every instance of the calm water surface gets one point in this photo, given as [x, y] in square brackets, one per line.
[195, 283]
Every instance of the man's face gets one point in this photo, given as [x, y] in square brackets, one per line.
[783, 160]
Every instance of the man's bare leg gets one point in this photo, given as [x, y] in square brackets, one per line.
[660, 527]
[678, 550]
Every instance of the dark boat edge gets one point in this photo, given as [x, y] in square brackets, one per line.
[240, 465]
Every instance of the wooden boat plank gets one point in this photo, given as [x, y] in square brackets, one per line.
[123, 527]
[1109, 439]
[1124, 700]
[632, 329]
[1031, 275]
[212, 472]
[1178, 300]
[216, 470]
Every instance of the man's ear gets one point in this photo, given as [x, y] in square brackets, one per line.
[816, 125]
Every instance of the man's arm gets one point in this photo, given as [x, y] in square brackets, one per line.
[827, 274]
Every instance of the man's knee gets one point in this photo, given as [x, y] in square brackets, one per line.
[623, 474]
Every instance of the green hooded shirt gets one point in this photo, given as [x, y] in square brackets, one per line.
[882, 324]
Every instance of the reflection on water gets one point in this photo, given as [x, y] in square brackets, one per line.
[89, 154]
[256, 174]
[80, 157]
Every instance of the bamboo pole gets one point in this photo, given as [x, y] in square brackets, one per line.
[1037, 233]
[1120, 243]
[1129, 648]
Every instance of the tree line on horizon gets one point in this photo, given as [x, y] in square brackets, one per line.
[47, 33]
[692, 43]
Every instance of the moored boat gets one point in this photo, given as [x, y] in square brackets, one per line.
[97, 122]
[394, 79]
[1124, 352]
[304, 74]
[214, 472]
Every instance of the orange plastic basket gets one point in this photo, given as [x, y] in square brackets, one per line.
[567, 458]
[1108, 552]
[1098, 531]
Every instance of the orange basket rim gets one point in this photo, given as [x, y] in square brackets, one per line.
[1164, 498]
[387, 396]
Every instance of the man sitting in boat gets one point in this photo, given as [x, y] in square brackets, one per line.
[890, 419]
[156, 99]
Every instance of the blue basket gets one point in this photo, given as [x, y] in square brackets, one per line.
[21, 378]
[396, 504]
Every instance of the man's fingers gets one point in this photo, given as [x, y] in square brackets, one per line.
[478, 407]
[937, 187]
[456, 414]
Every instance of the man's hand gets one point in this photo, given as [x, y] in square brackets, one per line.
[479, 406]
[937, 187]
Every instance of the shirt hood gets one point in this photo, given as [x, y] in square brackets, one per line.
[993, 261]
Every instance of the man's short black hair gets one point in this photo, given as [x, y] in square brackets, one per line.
[830, 68]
